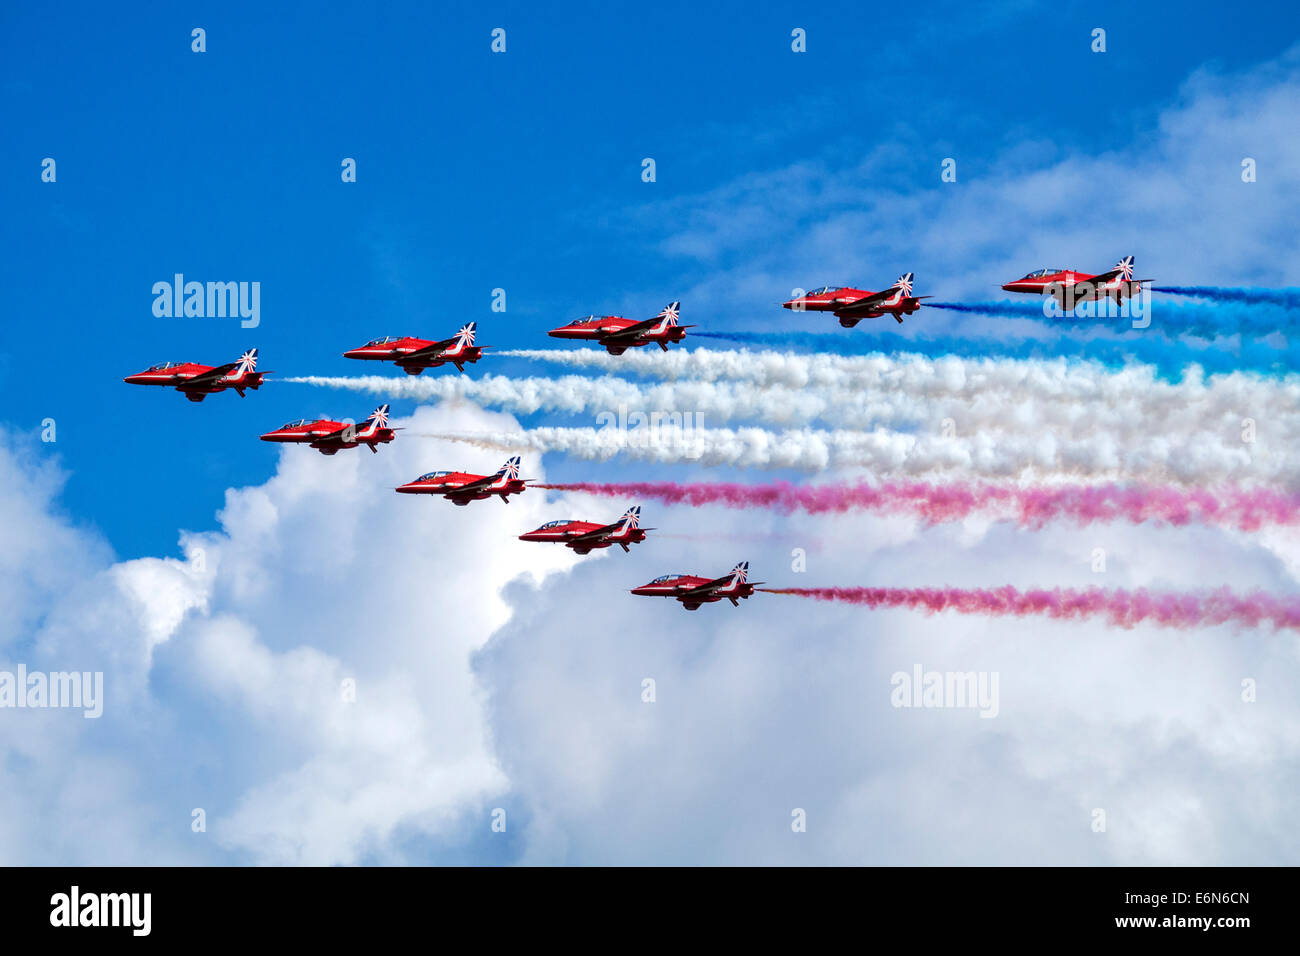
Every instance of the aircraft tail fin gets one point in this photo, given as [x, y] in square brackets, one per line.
[904, 282]
[510, 469]
[740, 573]
[466, 335]
[378, 419]
[631, 518]
[248, 362]
[1125, 267]
[669, 315]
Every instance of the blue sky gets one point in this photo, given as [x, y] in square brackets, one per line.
[227, 587]
[476, 171]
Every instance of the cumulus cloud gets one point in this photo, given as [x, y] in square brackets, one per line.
[493, 673]
[226, 671]
[779, 706]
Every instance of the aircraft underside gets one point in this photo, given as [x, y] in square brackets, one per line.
[849, 321]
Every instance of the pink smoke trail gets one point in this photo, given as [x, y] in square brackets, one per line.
[1120, 608]
[1245, 509]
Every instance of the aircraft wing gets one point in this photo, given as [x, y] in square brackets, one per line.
[428, 353]
[339, 435]
[865, 304]
[1093, 284]
[631, 332]
[594, 535]
[704, 590]
[210, 377]
[471, 487]
[870, 303]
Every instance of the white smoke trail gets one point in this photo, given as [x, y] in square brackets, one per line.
[887, 455]
[880, 385]
[1047, 400]
[763, 368]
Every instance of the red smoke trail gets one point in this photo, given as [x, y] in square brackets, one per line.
[1245, 509]
[1118, 607]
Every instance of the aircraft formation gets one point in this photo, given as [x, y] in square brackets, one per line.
[616, 335]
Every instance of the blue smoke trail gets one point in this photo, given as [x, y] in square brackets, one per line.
[1027, 310]
[1257, 317]
[1170, 358]
[1287, 298]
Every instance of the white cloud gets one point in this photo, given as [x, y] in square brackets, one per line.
[781, 705]
[229, 666]
[476, 687]
[224, 693]
[1173, 197]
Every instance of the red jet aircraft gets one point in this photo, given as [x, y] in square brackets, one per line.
[328, 437]
[198, 381]
[617, 334]
[414, 355]
[462, 488]
[1067, 286]
[693, 591]
[851, 306]
[583, 536]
